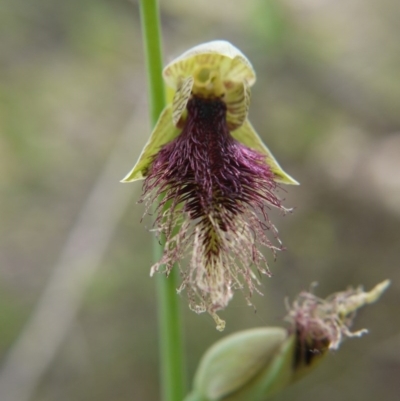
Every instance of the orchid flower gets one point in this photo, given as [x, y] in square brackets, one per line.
[214, 177]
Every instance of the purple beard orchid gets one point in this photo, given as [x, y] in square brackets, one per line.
[214, 176]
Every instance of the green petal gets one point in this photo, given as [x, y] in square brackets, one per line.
[247, 135]
[235, 360]
[237, 103]
[181, 98]
[163, 132]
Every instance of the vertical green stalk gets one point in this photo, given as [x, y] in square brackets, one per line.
[170, 332]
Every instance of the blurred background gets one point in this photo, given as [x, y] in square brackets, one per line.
[77, 307]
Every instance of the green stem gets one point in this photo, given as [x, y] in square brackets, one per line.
[152, 49]
[170, 332]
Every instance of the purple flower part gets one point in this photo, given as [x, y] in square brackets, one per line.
[215, 195]
[320, 323]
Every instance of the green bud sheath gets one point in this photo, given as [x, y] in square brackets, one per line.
[249, 365]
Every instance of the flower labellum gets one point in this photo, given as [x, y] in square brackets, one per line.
[214, 175]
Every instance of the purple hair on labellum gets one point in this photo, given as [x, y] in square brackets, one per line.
[215, 192]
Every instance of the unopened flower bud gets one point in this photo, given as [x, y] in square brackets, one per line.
[255, 364]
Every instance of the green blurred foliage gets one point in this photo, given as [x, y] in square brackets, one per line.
[326, 102]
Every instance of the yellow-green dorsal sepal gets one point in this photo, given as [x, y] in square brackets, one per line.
[163, 132]
[247, 135]
[218, 55]
[233, 362]
[218, 70]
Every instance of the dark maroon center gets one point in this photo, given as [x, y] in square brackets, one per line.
[207, 169]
